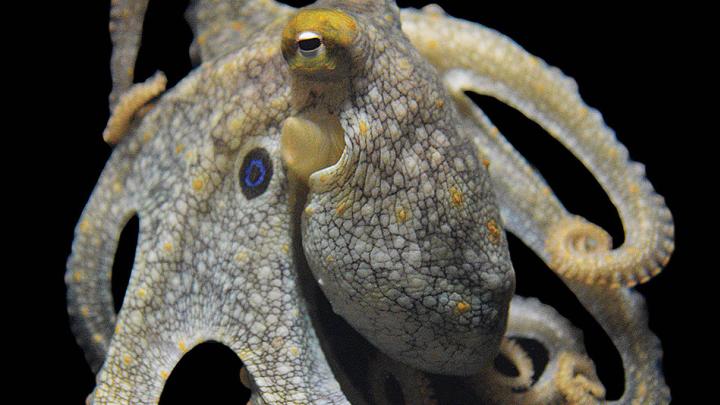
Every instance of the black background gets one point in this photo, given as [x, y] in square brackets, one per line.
[626, 61]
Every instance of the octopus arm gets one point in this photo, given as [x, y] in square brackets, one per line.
[623, 315]
[284, 359]
[213, 262]
[126, 23]
[220, 27]
[89, 267]
[525, 204]
[479, 59]
[568, 376]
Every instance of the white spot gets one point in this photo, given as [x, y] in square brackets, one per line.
[275, 294]
[375, 96]
[136, 317]
[440, 138]
[410, 164]
[435, 159]
[378, 257]
[258, 328]
[398, 179]
[256, 299]
[366, 211]
[399, 109]
[364, 272]
[405, 302]
[412, 256]
[263, 272]
[282, 331]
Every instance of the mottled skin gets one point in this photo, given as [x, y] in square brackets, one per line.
[403, 233]
[398, 232]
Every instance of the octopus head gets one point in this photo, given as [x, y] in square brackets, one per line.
[400, 226]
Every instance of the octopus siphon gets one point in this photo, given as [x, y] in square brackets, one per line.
[329, 156]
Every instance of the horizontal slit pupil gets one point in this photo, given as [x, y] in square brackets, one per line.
[309, 44]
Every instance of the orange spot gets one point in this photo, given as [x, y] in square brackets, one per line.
[202, 38]
[486, 163]
[168, 247]
[462, 307]
[341, 207]
[164, 374]
[439, 103]
[401, 215]
[363, 128]
[197, 184]
[494, 230]
[127, 359]
[179, 148]
[456, 196]
[78, 276]
[236, 25]
[85, 226]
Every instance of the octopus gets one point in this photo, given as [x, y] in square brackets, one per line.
[329, 156]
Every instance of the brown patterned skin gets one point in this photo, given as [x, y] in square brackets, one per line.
[403, 234]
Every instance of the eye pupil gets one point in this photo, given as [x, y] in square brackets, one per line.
[309, 45]
[255, 173]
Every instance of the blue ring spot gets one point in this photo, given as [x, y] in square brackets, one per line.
[260, 167]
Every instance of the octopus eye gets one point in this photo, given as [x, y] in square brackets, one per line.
[309, 44]
[255, 173]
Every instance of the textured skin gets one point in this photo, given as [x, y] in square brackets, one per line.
[401, 232]
[578, 251]
[192, 279]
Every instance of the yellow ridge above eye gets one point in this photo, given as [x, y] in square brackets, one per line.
[333, 29]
